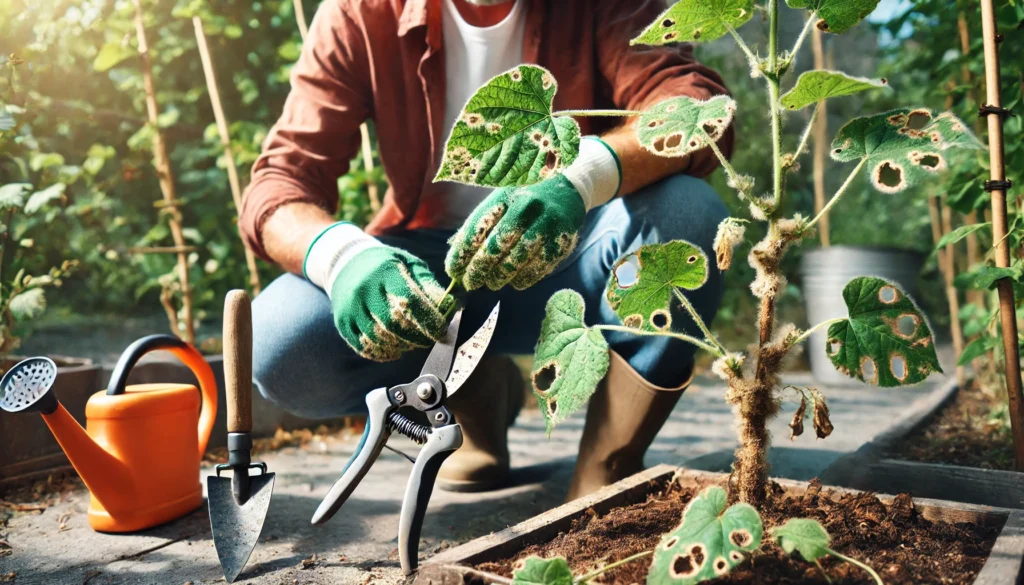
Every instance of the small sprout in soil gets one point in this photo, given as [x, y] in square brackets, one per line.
[810, 539]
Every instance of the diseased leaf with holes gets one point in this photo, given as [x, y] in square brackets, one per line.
[696, 20]
[805, 536]
[814, 86]
[681, 125]
[886, 341]
[640, 289]
[538, 571]
[28, 305]
[570, 360]
[961, 233]
[837, 16]
[902, 146]
[709, 543]
[506, 134]
[12, 195]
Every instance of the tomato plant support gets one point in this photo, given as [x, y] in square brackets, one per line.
[1007, 307]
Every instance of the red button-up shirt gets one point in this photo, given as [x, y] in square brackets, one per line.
[382, 59]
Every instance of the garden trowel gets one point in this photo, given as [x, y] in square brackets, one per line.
[238, 506]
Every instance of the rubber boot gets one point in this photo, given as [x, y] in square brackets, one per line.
[625, 414]
[485, 407]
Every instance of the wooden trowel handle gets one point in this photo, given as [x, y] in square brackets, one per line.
[238, 360]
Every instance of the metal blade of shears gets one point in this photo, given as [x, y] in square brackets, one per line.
[439, 361]
[469, 354]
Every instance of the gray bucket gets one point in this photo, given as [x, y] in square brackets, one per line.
[826, 271]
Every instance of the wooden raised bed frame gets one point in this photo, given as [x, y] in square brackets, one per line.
[1005, 565]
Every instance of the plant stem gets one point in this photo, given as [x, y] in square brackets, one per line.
[803, 336]
[773, 98]
[742, 45]
[822, 569]
[681, 336]
[807, 133]
[803, 35]
[839, 193]
[696, 318]
[853, 561]
[611, 566]
[593, 113]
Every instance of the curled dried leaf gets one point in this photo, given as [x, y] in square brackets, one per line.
[822, 423]
[797, 424]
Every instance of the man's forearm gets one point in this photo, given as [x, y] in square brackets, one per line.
[639, 166]
[290, 230]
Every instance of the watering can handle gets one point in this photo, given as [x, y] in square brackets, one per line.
[190, 357]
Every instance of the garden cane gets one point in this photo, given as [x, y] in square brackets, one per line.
[439, 379]
[238, 506]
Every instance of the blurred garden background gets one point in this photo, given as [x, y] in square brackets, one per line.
[76, 137]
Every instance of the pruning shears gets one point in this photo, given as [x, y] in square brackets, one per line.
[444, 372]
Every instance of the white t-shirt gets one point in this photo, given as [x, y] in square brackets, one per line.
[473, 55]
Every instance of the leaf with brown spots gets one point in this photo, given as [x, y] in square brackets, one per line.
[696, 20]
[570, 360]
[886, 341]
[681, 125]
[837, 16]
[640, 289]
[710, 542]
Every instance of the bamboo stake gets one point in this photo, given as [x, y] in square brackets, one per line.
[821, 146]
[225, 140]
[1007, 307]
[163, 169]
[364, 131]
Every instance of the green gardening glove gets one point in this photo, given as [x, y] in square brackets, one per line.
[517, 235]
[384, 300]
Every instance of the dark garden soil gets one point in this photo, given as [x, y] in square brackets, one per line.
[963, 433]
[903, 547]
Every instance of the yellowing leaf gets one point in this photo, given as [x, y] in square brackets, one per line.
[681, 125]
[837, 16]
[570, 360]
[640, 290]
[507, 135]
[903, 146]
[814, 86]
[696, 20]
[886, 341]
[709, 543]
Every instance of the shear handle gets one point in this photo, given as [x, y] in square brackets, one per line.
[375, 435]
[442, 443]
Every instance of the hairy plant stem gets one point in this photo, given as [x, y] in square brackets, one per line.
[773, 97]
[806, 334]
[610, 566]
[681, 336]
[839, 193]
[806, 135]
[743, 45]
[708, 335]
[803, 36]
[595, 113]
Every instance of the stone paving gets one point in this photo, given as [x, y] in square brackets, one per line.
[358, 545]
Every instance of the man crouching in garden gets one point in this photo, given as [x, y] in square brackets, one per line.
[410, 66]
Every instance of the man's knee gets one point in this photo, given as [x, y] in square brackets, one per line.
[681, 207]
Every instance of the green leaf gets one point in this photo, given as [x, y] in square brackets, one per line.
[960, 233]
[506, 134]
[12, 195]
[538, 571]
[681, 125]
[837, 16]
[41, 199]
[571, 359]
[709, 543]
[986, 277]
[814, 86]
[233, 31]
[902, 146]
[696, 20]
[805, 536]
[110, 55]
[28, 305]
[45, 160]
[641, 284]
[886, 341]
[976, 349]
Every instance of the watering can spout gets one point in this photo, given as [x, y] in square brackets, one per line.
[107, 477]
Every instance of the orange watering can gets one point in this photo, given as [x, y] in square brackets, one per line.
[139, 454]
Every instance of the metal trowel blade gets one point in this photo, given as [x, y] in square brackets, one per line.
[237, 528]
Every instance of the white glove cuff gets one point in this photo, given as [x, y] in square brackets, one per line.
[335, 247]
[595, 173]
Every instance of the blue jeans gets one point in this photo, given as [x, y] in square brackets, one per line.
[301, 363]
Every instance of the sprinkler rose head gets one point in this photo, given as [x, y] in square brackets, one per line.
[26, 386]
